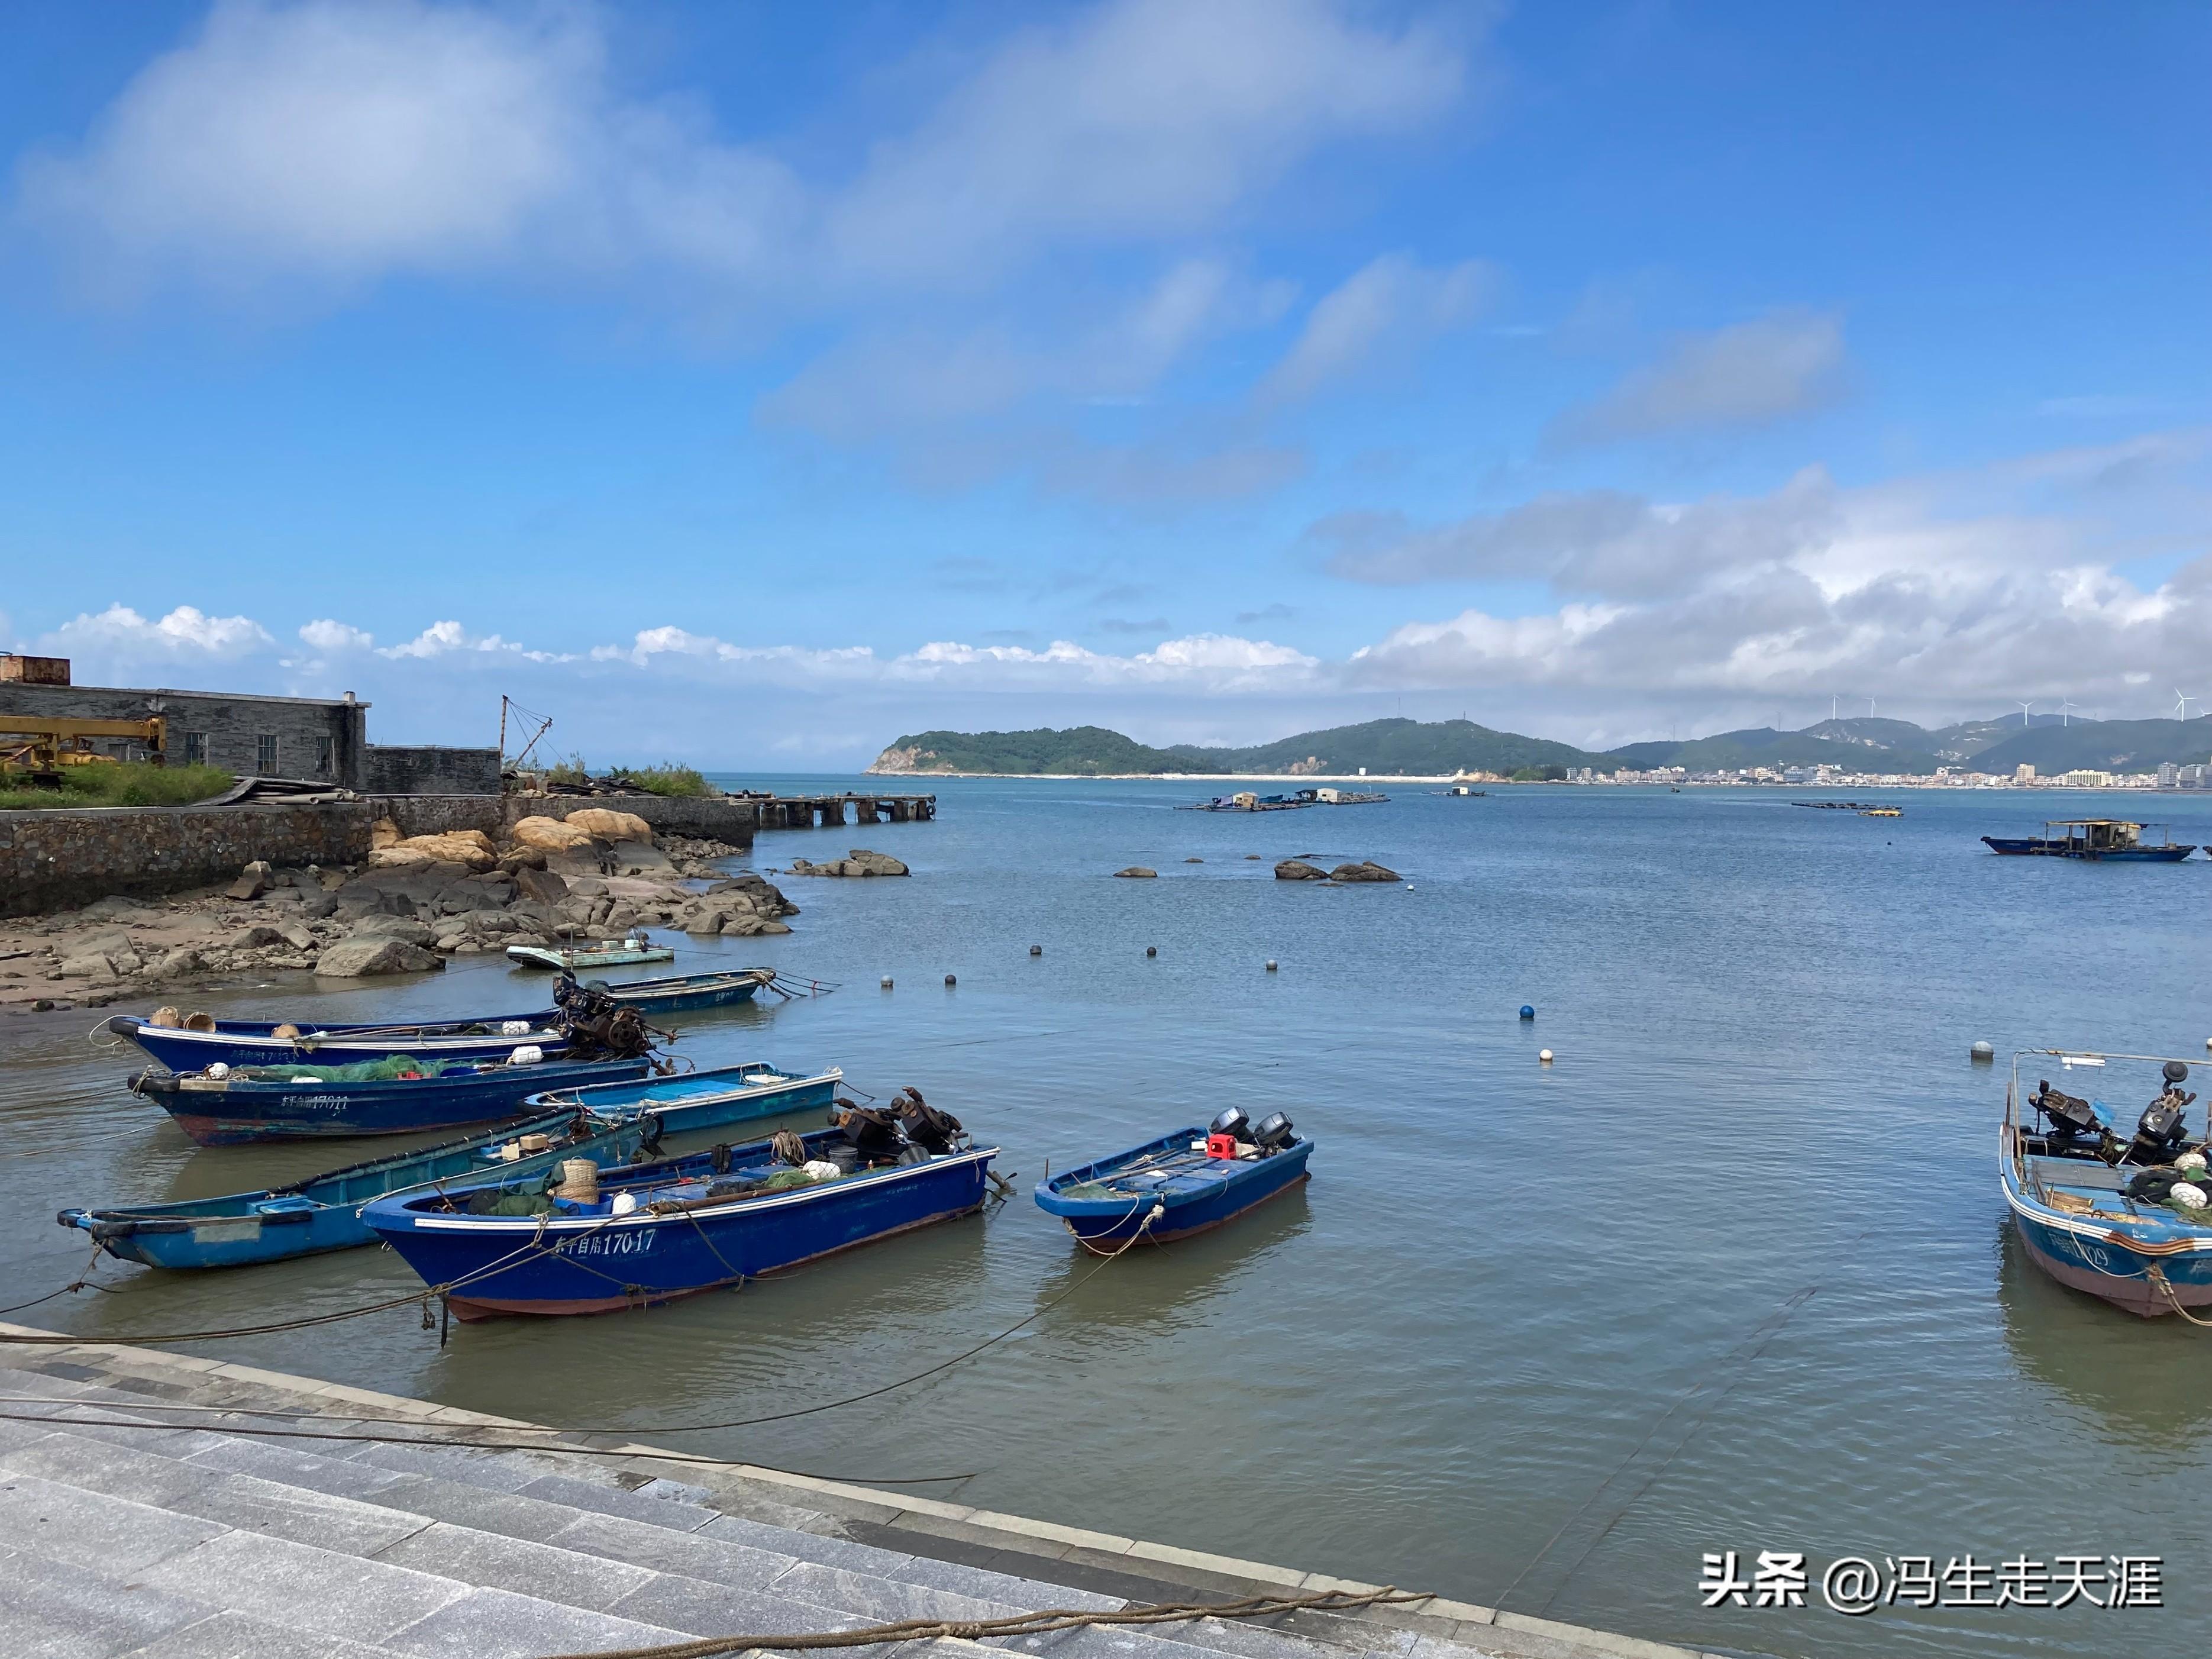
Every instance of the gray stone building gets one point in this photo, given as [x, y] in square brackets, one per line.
[264, 737]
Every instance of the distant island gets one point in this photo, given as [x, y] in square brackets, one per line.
[1408, 748]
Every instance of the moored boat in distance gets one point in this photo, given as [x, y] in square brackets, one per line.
[321, 1212]
[657, 1232]
[606, 953]
[1180, 1184]
[705, 1099]
[2109, 840]
[227, 1106]
[2126, 1219]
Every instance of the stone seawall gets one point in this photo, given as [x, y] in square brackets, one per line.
[60, 859]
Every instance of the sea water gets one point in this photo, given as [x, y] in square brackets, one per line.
[1731, 1273]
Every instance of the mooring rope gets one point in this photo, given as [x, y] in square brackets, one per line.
[1040, 1623]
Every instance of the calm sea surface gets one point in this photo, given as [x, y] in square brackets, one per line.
[1733, 1273]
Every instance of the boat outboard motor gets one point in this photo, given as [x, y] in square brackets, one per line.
[925, 1127]
[2069, 1114]
[2162, 1129]
[872, 1134]
[1272, 1134]
[1231, 1122]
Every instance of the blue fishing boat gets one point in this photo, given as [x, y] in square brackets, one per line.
[322, 1213]
[183, 1047]
[229, 1106]
[683, 993]
[704, 1099]
[657, 1232]
[2128, 1218]
[2114, 841]
[1181, 1184]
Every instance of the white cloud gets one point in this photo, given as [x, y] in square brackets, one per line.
[1388, 306]
[446, 639]
[187, 633]
[325, 635]
[1746, 374]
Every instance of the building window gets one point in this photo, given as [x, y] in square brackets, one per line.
[264, 759]
[324, 749]
[195, 749]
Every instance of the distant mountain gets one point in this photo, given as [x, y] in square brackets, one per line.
[2047, 742]
[2100, 746]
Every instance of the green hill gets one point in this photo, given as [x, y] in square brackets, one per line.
[1380, 746]
[1436, 748]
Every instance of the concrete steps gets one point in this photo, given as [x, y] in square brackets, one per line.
[203, 1542]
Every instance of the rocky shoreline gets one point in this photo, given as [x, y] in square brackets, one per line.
[416, 903]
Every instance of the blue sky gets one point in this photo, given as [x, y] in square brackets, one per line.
[754, 383]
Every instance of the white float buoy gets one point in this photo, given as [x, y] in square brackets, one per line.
[1271, 964]
[887, 982]
[1983, 1051]
[1545, 1055]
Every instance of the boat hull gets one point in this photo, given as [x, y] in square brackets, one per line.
[254, 1042]
[232, 1113]
[2091, 1255]
[537, 956]
[323, 1212]
[700, 1100]
[605, 1264]
[2036, 847]
[683, 993]
[1233, 1186]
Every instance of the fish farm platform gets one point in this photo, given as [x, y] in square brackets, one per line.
[183, 1509]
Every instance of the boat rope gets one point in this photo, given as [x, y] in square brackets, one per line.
[2156, 1275]
[1039, 1623]
[1157, 1210]
[1737, 1360]
[693, 1458]
[82, 1281]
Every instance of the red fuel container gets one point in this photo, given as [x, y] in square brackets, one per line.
[1221, 1145]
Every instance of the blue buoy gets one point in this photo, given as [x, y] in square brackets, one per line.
[1527, 1011]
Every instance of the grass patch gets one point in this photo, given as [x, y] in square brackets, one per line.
[664, 780]
[121, 783]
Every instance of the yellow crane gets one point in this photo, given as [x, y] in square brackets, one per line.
[42, 747]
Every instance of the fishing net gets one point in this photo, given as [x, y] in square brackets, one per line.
[391, 1069]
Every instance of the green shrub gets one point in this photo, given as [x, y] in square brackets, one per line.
[1541, 775]
[121, 783]
[571, 770]
[666, 780]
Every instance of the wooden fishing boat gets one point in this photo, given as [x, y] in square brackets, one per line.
[322, 1213]
[229, 1106]
[277, 1042]
[677, 993]
[657, 1232]
[705, 1099]
[607, 953]
[2105, 839]
[1180, 1184]
[2097, 1212]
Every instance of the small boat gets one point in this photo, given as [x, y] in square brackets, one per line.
[322, 1213]
[704, 1099]
[607, 953]
[683, 993]
[1881, 812]
[229, 1106]
[2129, 1219]
[205, 1042]
[658, 1231]
[2107, 839]
[1244, 800]
[1181, 1184]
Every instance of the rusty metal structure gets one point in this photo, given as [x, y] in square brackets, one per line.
[40, 748]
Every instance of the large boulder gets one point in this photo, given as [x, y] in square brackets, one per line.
[1299, 870]
[470, 848]
[406, 929]
[641, 858]
[605, 824]
[1368, 870]
[539, 884]
[1137, 871]
[550, 835]
[252, 881]
[354, 957]
[874, 864]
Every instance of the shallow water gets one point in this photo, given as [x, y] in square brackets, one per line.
[1732, 1273]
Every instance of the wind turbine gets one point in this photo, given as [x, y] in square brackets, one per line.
[2024, 707]
[1834, 698]
[2182, 703]
[1869, 708]
[2065, 709]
